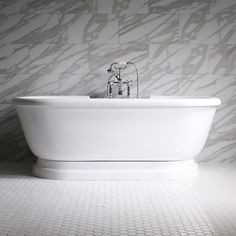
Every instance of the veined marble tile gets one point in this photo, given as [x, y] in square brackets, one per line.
[224, 123]
[178, 6]
[12, 6]
[160, 28]
[202, 28]
[155, 83]
[13, 58]
[227, 23]
[226, 87]
[29, 28]
[13, 146]
[179, 58]
[158, 57]
[218, 149]
[122, 6]
[197, 85]
[58, 58]
[199, 28]
[27, 84]
[13, 86]
[90, 84]
[46, 84]
[223, 87]
[65, 6]
[90, 28]
[136, 53]
[101, 56]
[222, 59]
[225, 6]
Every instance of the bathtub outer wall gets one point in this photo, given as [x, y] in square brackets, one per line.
[71, 133]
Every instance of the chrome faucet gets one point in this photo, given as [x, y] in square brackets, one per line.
[115, 79]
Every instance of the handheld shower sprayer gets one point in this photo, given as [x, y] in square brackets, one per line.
[117, 65]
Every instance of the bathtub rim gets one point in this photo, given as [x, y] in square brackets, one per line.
[86, 101]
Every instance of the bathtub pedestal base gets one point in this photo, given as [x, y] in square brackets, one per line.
[112, 170]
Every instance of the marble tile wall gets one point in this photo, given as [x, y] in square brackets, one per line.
[181, 47]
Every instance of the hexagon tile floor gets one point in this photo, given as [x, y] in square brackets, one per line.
[33, 207]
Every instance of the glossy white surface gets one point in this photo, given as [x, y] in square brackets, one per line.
[98, 102]
[78, 129]
[113, 170]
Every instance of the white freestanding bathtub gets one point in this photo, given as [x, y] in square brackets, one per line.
[78, 138]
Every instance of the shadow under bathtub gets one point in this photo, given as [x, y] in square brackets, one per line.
[16, 170]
